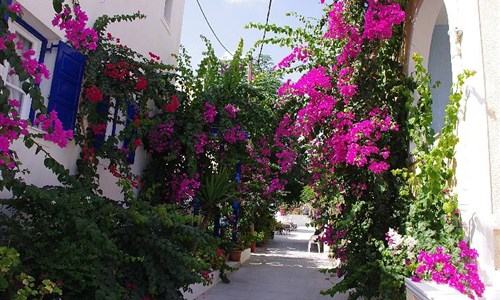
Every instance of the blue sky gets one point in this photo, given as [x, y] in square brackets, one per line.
[228, 18]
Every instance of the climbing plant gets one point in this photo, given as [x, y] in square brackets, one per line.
[348, 122]
[431, 241]
[89, 243]
[344, 125]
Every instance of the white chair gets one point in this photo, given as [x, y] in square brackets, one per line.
[287, 228]
[314, 239]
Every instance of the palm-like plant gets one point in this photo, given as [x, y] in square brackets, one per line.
[216, 189]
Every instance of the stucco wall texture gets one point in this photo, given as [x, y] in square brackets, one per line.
[489, 12]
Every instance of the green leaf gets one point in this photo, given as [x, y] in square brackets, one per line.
[57, 4]
[29, 143]
[26, 87]
[38, 149]
[49, 163]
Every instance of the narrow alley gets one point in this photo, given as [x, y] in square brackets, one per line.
[282, 269]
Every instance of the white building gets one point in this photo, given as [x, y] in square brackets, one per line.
[453, 35]
[159, 33]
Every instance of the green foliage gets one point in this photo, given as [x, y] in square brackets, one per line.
[120, 97]
[217, 188]
[17, 285]
[65, 233]
[433, 218]
[161, 245]
[57, 5]
[308, 195]
[365, 216]
[433, 172]
[216, 191]
[104, 21]
[99, 250]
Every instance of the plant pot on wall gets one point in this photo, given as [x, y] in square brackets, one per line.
[235, 255]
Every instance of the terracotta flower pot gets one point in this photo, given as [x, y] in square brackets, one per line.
[235, 255]
[252, 247]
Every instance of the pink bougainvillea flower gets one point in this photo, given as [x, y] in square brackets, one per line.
[231, 111]
[11, 128]
[234, 134]
[74, 25]
[53, 128]
[15, 8]
[183, 187]
[14, 102]
[160, 138]
[35, 69]
[154, 56]
[299, 54]
[441, 267]
[200, 142]
[209, 113]
[380, 18]
[11, 37]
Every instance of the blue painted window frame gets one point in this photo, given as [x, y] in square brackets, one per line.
[43, 48]
[35, 33]
[38, 35]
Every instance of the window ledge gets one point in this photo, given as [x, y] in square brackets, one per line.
[426, 290]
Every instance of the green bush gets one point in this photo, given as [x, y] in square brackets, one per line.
[17, 285]
[98, 249]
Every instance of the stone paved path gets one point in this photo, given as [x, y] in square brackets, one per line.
[283, 270]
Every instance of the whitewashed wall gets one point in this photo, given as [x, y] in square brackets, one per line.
[476, 176]
[155, 34]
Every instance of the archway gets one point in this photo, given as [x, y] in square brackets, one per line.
[429, 36]
[440, 68]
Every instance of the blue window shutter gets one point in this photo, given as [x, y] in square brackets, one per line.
[126, 142]
[66, 84]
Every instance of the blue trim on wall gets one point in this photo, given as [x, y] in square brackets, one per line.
[38, 35]
[31, 30]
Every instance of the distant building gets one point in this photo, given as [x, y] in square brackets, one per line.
[453, 35]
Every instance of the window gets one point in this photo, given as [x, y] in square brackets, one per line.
[167, 13]
[29, 41]
[115, 124]
[63, 91]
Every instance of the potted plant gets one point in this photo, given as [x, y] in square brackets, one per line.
[235, 254]
[256, 238]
